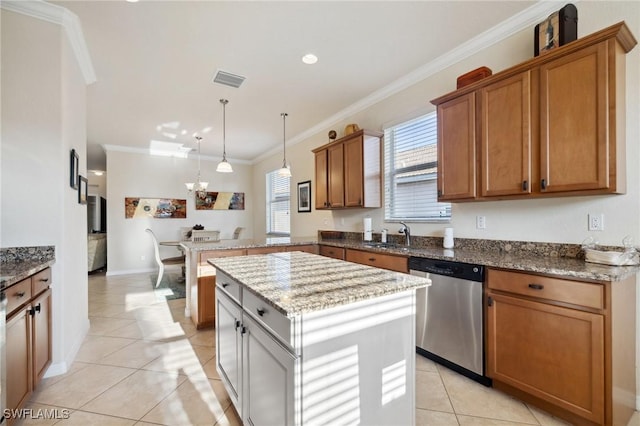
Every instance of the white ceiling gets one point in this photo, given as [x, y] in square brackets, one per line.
[155, 60]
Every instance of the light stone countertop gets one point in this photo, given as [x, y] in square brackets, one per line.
[296, 282]
[562, 267]
[248, 243]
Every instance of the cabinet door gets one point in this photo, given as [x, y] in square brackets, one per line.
[268, 379]
[322, 180]
[336, 176]
[457, 148]
[228, 345]
[574, 109]
[551, 352]
[506, 137]
[18, 352]
[353, 173]
[41, 334]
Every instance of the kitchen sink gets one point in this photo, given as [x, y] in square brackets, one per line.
[382, 245]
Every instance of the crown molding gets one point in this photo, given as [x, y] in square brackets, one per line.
[48, 12]
[521, 21]
[192, 154]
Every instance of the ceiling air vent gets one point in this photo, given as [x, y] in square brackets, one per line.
[228, 79]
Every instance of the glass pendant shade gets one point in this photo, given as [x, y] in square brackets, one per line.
[224, 167]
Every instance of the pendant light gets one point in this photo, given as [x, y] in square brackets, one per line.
[224, 166]
[201, 188]
[285, 171]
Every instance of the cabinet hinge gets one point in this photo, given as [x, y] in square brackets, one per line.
[489, 301]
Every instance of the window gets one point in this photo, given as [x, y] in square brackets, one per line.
[411, 164]
[278, 196]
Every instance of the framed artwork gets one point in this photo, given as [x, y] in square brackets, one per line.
[83, 189]
[220, 201]
[74, 163]
[157, 208]
[304, 197]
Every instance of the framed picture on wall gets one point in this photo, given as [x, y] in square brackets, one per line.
[304, 197]
[83, 189]
[74, 163]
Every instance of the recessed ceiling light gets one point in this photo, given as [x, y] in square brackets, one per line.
[132, 1]
[309, 59]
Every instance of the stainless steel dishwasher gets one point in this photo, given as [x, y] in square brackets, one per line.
[449, 315]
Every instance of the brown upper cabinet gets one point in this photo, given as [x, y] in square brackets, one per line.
[553, 125]
[348, 171]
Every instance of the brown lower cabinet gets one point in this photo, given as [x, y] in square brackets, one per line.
[28, 344]
[551, 342]
[392, 262]
[203, 292]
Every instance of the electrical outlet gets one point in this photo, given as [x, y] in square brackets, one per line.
[481, 222]
[596, 222]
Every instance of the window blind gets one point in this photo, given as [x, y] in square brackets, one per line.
[411, 165]
[278, 204]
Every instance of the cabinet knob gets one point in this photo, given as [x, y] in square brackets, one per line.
[225, 285]
[237, 324]
[37, 308]
[20, 294]
[536, 286]
[439, 192]
[543, 184]
[44, 280]
[372, 259]
[525, 185]
[260, 311]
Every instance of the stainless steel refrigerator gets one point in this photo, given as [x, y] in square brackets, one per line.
[96, 214]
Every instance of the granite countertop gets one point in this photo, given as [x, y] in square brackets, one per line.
[296, 282]
[569, 267]
[18, 263]
[248, 243]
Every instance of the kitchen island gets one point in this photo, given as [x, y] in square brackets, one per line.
[305, 339]
[200, 276]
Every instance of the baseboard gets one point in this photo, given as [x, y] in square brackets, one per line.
[55, 369]
[131, 271]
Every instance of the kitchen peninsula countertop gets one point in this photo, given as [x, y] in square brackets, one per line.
[248, 243]
[296, 282]
[18, 263]
[568, 267]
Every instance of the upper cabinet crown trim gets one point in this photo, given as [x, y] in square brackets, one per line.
[619, 31]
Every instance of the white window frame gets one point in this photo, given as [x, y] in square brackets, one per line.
[425, 180]
[273, 198]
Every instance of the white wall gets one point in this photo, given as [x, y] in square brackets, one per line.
[43, 118]
[142, 175]
[552, 220]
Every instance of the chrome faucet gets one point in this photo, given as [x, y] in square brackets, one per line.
[407, 232]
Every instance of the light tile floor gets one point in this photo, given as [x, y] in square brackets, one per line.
[143, 363]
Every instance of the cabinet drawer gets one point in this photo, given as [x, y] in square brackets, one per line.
[385, 261]
[40, 281]
[556, 289]
[335, 252]
[268, 316]
[18, 295]
[230, 287]
[307, 248]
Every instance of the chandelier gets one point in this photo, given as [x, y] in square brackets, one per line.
[199, 187]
